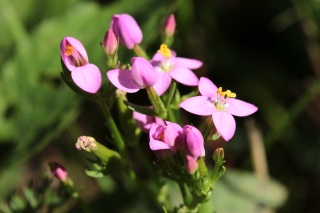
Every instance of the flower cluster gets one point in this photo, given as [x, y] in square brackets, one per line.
[179, 150]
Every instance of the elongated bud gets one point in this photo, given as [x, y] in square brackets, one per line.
[110, 45]
[168, 30]
[169, 26]
[218, 156]
[194, 142]
[58, 171]
[110, 42]
[127, 30]
[191, 165]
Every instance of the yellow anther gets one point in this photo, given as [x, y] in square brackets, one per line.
[227, 93]
[230, 94]
[68, 51]
[165, 51]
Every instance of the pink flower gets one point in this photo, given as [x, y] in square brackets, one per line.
[193, 142]
[127, 29]
[141, 75]
[58, 171]
[144, 122]
[86, 76]
[168, 66]
[221, 105]
[165, 137]
[169, 26]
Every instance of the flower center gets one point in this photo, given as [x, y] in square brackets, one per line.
[166, 65]
[77, 59]
[220, 103]
[165, 51]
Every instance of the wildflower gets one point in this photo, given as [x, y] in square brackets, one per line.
[168, 66]
[126, 29]
[140, 76]
[221, 105]
[74, 56]
[165, 137]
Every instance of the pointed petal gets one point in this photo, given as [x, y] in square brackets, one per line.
[163, 82]
[225, 124]
[143, 73]
[87, 77]
[199, 105]
[240, 108]
[187, 63]
[122, 79]
[207, 88]
[184, 76]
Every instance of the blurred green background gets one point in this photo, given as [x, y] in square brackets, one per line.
[266, 51]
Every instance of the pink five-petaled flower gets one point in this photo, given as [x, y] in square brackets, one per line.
[141, 76]
[126, 29]
[74, 56]
[221, 105]
[168, 66]
[164, 139]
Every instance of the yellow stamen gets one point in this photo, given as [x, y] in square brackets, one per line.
[227, 93]
[68, 51]
[230, 94]
[165, 51]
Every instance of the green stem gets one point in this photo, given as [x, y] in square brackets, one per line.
[140, 52]
[157, 103]
[115, 133]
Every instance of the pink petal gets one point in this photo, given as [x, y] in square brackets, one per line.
[187, 63]
[87, 77]
[184, 76]
[143, 73]
[225, 124]
[240, 108]
[194, 141]
[158, 145]
[207, 88]
[122, 79]
[171, 133]
[143, 121]
[163, 82]
[78, 46]
[199, 105]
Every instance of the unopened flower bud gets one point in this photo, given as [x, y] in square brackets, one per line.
[191, 165]
[126, 29]
[110, 43]
[169, 26]
[218, 156]
[194, 142]
[58, 171]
